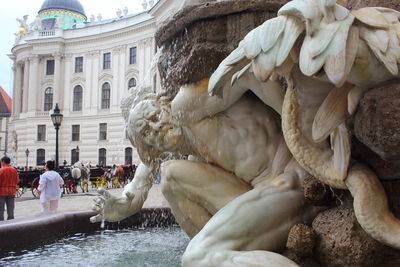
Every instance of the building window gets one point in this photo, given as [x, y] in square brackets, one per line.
[40, 157]
[103, 131]
[106, 61]
[79, 64]
[41, 133]
[105, 96]
[74, 156]
[77, 99]
[128, 155]
[48, 99]
[75, 132]
[50, 67]
[132, 55]
[131, 83]
[102, 156]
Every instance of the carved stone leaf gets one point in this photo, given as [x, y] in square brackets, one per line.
[270, 31]
[335, 63]
[351, 52]
[251, 44]
[371, 17]
[265, 63]
[341, 146]
[376, 39]
[293, 29]
[331, 113]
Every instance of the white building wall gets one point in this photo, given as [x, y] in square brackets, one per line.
[31, 53]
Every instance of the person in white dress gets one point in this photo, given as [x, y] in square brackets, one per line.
[49, 188]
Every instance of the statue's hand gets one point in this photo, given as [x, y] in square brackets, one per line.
[110, 208]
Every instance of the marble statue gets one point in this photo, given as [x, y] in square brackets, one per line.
[247, 160]
[328, 57]
[23, 26]
[238, 193]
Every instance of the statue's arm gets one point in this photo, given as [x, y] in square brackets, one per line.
[193, 103]
[139, 188]
[112, 209]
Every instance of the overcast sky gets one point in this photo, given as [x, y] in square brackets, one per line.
[12, 9]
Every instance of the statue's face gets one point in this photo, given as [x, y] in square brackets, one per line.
[153, 124]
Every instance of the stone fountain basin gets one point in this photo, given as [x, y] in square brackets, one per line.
[20, 234]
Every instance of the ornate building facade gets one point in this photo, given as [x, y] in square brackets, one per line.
[87, 68]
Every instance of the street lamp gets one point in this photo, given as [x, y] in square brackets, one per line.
[56, 118]
[27, 154]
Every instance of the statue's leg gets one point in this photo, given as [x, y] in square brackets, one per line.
[196, 191]
[242, 232]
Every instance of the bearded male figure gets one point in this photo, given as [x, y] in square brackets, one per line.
[238, 195]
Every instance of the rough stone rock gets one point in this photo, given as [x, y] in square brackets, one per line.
[301, 240]
[342, 242]
[377, 121]
[196, 39]
[319, 194]
[385, 170]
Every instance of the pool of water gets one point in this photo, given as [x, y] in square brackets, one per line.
[148, 247]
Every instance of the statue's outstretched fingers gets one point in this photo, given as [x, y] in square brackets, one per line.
[97, 208]
[96, 218]
[104, 193]
[99, 200]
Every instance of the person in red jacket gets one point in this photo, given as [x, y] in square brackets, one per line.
[8, 183]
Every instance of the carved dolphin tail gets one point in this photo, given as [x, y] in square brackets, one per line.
[370, 202]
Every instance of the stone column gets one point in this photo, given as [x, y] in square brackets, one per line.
[121, 75]
[116, 70]
[33, 82]
[17, 89]
[95, 101]
[57, 80]
[88, 89]
[141, 48]
[25, 86]
[67, 91]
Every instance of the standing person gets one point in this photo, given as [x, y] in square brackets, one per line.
[8, 183]
[49, 188]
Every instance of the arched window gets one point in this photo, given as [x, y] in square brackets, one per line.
[74, 156]
[102, 156]
[77, 100]
[105, 96]
[40, 157]
[128, 155]
[131, 83]
[48, 99]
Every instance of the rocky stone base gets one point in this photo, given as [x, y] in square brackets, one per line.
[201, 35]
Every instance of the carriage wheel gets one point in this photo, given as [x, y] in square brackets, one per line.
[35, 185]
[19, 192]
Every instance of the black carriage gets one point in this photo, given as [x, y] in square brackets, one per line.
[28, 179]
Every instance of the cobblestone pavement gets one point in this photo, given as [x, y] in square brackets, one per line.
[28, 206]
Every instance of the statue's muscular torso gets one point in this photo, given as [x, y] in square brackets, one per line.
[246, 139]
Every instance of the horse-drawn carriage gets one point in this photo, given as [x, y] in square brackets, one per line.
[98, 178]
[28, 179]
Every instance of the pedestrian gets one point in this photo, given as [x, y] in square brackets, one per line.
[8, 186]
[49, 188]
